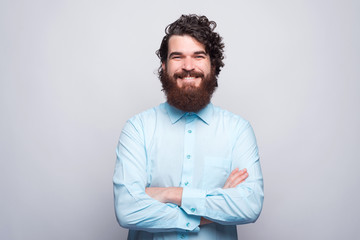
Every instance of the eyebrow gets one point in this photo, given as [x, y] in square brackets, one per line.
[200, 52]
[174, 53]
[180, 53]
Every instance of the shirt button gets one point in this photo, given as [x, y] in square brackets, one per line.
[189, 131]
[192, 209]
[188, 156]
[186, 183]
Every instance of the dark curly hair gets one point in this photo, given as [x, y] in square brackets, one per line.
[200, 28]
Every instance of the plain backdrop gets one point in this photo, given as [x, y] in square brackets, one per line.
[72, 72]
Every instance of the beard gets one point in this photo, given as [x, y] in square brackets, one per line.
[188, 98]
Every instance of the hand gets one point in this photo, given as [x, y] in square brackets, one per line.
[165, 194]
[204, 221]
[156, 193]
[235, 178]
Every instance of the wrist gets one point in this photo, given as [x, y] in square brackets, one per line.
[173, 195]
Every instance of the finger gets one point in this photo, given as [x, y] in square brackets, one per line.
[235, 171]
[233, 179]
[237, 174]
[150, 191]
[229, 179]
[241, 178]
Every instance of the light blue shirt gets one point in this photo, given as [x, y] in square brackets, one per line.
[166, 147]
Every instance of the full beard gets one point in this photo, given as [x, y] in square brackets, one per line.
[189, 98]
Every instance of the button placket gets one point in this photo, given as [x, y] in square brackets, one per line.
[189, 139]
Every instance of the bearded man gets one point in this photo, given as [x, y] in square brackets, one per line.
[187, 169]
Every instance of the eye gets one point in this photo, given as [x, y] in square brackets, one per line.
[200, 57]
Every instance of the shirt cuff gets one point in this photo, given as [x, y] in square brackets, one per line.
[189, 223]
[193, 201]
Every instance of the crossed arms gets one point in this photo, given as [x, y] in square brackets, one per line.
[139, 207]
[174, 194]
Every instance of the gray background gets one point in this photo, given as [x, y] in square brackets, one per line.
[72, 73]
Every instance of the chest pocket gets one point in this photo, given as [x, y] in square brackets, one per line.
[216, 171]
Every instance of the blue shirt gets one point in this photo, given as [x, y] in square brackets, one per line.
[166, 147]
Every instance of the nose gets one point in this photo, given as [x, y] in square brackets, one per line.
[188, 64]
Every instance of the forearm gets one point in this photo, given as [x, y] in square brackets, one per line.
[136, 210]
[175, 194]
[227, 206]
[170, 195]
[238, 205]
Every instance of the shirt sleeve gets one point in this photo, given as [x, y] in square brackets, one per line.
[238, 205]
[133, 207]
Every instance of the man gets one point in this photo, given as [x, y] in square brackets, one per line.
[187, 169]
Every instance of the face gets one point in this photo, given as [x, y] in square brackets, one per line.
[187, 79]
[187, 61]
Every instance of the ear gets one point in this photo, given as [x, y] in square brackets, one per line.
[163, 66]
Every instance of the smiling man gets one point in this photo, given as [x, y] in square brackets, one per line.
[187, 169]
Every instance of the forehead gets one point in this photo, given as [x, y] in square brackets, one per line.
[184, 44]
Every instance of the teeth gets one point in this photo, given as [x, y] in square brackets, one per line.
[188, 78]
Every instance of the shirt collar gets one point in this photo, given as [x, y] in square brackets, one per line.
[204, 114]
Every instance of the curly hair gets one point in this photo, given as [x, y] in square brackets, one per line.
[200, 28]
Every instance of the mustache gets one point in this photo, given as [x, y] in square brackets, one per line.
[191, 73]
